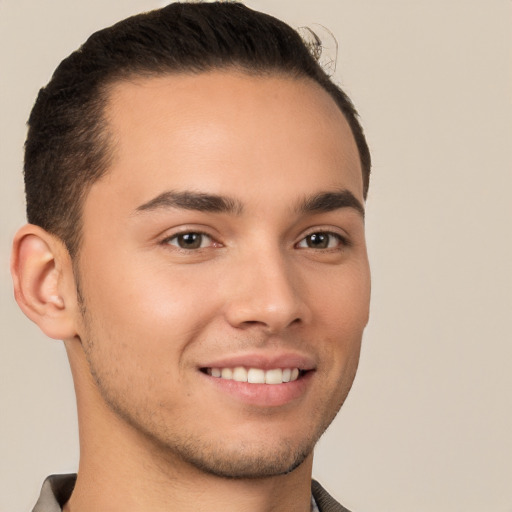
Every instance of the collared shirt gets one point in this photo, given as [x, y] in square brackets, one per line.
[57, 489]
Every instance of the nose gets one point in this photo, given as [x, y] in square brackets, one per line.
[266, 291]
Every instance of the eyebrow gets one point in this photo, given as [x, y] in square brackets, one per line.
[319, 203]
[189, 200]
[324, 202]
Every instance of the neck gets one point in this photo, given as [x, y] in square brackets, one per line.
[122, 470]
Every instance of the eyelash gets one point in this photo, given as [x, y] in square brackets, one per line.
[342, 241]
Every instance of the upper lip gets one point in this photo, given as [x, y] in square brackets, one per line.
[265, 361]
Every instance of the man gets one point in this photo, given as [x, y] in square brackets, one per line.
[195, 187]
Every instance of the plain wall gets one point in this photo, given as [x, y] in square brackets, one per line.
[428, 424]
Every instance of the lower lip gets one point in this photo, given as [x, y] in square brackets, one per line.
[263, 395]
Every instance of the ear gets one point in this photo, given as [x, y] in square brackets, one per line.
[44, 284]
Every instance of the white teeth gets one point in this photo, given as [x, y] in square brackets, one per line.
[274, 376]
[227, 373]
[256, 375]
[240, 374]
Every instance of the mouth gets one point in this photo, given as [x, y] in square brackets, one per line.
[261, 379]
[270, 376]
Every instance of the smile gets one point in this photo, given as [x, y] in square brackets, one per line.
[256, 375]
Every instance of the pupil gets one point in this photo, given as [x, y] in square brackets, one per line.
[190, 241]
[318, 240]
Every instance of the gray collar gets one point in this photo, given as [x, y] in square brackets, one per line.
[57, 489]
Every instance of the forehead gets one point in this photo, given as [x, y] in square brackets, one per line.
[227, 132]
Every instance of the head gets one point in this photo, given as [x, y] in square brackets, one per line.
[69, 145]
[198, 185]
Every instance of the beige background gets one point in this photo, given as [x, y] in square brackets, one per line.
[428, 426]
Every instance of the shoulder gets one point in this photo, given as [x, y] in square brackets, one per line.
[325, 502]
[55, 492]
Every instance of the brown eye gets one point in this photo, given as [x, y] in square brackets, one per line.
[190, 240]
[318, 241]
[321, 240]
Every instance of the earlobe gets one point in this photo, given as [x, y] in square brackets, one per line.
[43, 281]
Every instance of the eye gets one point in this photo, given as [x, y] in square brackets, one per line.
[322, 240]
[190, 240]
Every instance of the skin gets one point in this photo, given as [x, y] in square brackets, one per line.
[150, 315]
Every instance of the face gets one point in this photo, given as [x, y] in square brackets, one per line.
[223, 268]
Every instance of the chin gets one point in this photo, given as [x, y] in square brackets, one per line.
[246, 464]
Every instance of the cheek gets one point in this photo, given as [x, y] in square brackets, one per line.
[341, 314]
[147, 311]
[341, 298]
[141, 287]
[137, 331]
